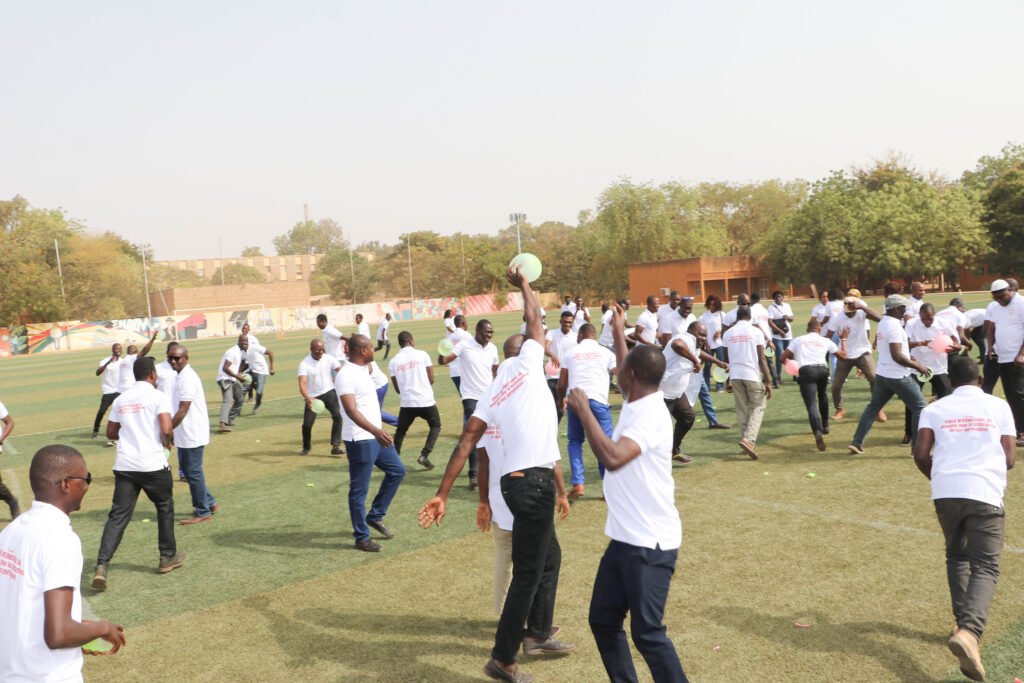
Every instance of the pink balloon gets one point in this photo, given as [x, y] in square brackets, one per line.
[941, 343]
[552, 368]
[792, 367]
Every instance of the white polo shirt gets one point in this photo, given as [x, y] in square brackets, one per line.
[39, 552]
[678, 368]
[333, 344]
[382, 329]
[319, 379]
[126, 372]
[500, 514]
[139, 448]
[681, 323]
[857, 343]
[256, 357]
[713, 323]
[741, 340]
[477, 364]
[914, 306]
[666, 318]
[559, 344]
[1009, 322]
[648, 321]
[641, 495]
[890, 331]
[968, 460]
[975, 317]
[194, 430]
[776, 311]
[233, 354]
[606, 338]
[409, 368]
[356, 380]
[917, 332]
[578, 320]
[811, 349]
[520, 405]
[165, 378]
[588, 364]
[456, 337]
[110, 377]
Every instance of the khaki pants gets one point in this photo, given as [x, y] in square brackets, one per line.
[865, 364]
[502, 565]
[750, 404]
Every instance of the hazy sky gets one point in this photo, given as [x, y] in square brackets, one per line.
[180, 123]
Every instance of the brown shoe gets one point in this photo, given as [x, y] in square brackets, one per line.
[964, 645]
[749, 449]
[840, 414]
[819, 441]
[196, 520]
[168, 564]
[576, 492]
[99, 578]
[223, 429]
[882, 417]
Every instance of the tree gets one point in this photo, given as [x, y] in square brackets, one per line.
[308, 237]
[238, 274]
[989, 169]
[1004, 217]
[252, 251]
[335, 274]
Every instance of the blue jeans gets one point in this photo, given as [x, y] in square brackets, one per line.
[576, 436]
[190, 461]
[385, 417]
[706, 404]
[362, 457]
[780, 348]
[635, 580]
[884, 389]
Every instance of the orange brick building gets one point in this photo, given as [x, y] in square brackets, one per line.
[699, 277]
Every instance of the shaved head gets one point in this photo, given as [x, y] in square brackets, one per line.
[513, 345]
[50, 465]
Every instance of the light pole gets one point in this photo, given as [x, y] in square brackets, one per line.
[517, 218]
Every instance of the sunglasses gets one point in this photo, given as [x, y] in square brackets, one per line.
[87, 479]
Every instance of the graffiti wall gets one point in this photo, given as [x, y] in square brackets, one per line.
[76, 335]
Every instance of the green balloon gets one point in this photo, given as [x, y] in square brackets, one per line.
[318, 406]
[528, 264]
[445, 347]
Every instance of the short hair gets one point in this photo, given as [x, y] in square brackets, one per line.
[404, 338]
[674, 292]
[712, 298]
[171, 345]
[651, 299]
[835, 294]
[624, 302]
[963, 370]
[459, 320]
[743, 313]
[648, 364]
[144, 367]
[928, 307]
[604, 307]
[778, 292]
[481, 322]
[567, 314]
[359, 315]
[513, 345]
[358, 341]
[587, 329]
[50, 464]
[184, 350]
[755, 297]
[321, 317]
[956, 301]
[813, 324]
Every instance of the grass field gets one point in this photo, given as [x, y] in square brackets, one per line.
[273, 589]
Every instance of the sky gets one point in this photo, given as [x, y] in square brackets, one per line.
[201, 126]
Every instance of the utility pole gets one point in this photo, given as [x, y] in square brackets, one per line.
[145, 280]
[517, 218]
[408, 244]
[60, 272]
[352, 267]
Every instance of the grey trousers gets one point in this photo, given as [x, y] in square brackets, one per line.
[974, 540]
[232, 396]
[865, 364]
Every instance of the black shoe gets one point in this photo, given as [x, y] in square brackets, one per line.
[379, 526]
[336, 450]
[94, 435]
[472, 483]
[368, 546]
[304, 451]
[425, 462]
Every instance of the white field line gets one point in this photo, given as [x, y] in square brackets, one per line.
[857, 521]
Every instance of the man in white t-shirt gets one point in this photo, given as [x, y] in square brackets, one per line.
[260, 360]
[109, 369]
[811, 352]
[125, 377]
[557, 344]
[646, 330]
[605, 339]
[165, 374]
[955, 314]
[1006, 345]
[316, 383]
[191, 424]
[456, 336]
[232, 383]
[568, 305]
[479, 360]
[40, 574]
[893, 374]
[412, 373]
[853, 316]
[965, 446]
[585, 365]
[974, 328]
[383, 340]
[334, 340]
[643, 523]
[140, 422]
[921, 331]
[367, 445]
[518, 404]
[6, 427]
[362, 327]
[667, 315]
[915, 301]
[581, 316]
[749, 376]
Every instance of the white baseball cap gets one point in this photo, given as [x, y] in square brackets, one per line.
[999, 285]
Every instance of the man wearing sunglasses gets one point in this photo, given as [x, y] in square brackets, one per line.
[191, 424]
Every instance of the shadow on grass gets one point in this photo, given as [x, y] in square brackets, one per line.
[292, 536]
[388, 644]
[855, 639]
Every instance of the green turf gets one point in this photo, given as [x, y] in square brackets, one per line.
[274, 591]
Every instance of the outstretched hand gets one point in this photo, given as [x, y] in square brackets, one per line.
[618, 316]
[432, 512]
[514, 277]
[577, 401]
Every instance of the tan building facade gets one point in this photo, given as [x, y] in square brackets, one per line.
[221, 298]
[290, 268]
[700, 277]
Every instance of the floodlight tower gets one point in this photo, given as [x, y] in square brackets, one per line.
[518, 218]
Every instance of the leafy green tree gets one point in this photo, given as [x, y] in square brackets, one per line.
[1004, 217]
[989, 169]
[252, 251]
[355, 280]
[309, 237]
[238, 274]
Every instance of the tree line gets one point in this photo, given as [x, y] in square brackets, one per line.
[860, 225]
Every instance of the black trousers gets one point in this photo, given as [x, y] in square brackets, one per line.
[330, 400]
[406, 416]
[990, 375]
[1013, 387]
[682, 411]
[980, 342]
[386, 345]
[8, 497]
[536, 561]
[158, 487]
[813, 381]
[941, 386]
[468, 408]
[553, 386]
[105, 403]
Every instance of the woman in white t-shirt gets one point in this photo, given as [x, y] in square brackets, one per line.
[780, 319]
[713, 319]
[449, 321]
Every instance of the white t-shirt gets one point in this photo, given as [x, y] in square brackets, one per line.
[378, 376]
[126, 372]
[571, 307]
[914, 306]
[363, 328]
[759, 316]
[233, 354]
[810, 349]
[890, 331]
[139, 448]
[606, 338]
[666, 318]
[520, 405]
[681, 323]
[477, 364]
[713, 322]
[165, 378]
[588, 364]
[578, 320]
[333, 345]
[457, 336]
[500, 514]
[409, 368]
[382, 329]
[256, 357]
[834, 310]
[449, 325]
[559, 344]
[1009, 322]
[857, 343]
[356, 380]
[641, 495]
[820, 312]
[3, 412]
[968, 460]
[648, 321]
[318, 373]
[678, 368]
[975, 317]
[39, 552]
[741, 340]
[955, 316]
[917, 332]
[110, 376]
[776, 311]
[194, 430]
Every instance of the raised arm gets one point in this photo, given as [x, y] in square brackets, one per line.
[149, 345]
[531, 307]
